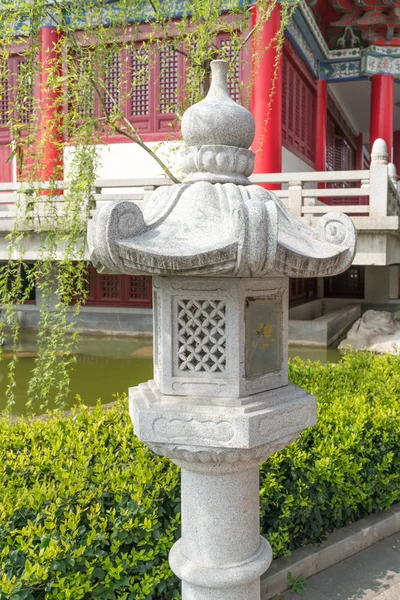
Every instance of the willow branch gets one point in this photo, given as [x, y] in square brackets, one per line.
[135, 136]
[253, 30]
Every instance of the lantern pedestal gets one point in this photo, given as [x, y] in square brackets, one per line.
[219, 444]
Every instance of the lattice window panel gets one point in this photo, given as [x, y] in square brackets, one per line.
[297, 111]
[112, 82]
[89, 282]
[168, 61]
[4, 100]
[84, 86]
[138, 287]
[201, 336]
[111, 286]
[227, 53]
[330, 145]
[140, 82]
[24, 93]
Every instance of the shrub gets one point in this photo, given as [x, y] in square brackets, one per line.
[86, 512]
[345, 467]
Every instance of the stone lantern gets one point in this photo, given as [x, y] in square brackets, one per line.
[221, 252]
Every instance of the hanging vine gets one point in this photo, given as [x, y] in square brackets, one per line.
[83, 111]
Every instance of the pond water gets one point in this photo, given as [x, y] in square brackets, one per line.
[105, 366]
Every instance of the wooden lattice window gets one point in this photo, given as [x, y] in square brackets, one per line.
[302, 289]
[118, 290]
[139, 287]
[340, 156]
[330, 145]
[84, 93]
[349, 284]
[112, 82]
[168, 86]
[4, 100]
[111, 287]
[24, 93]
[228, 53]
[140, 70]
[298, 99]
[145, 81]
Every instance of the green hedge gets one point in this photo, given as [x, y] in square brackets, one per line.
[87, 513]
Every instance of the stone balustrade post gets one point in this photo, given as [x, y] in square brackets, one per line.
[379, 188]
[221, 252]
[392, 172]
[295, 199]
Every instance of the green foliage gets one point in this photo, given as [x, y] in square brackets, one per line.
[298, 584]
[88, 512]
[345, 467]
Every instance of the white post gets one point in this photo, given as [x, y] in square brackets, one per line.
[379, 187]
[392, 171]
[295, 200]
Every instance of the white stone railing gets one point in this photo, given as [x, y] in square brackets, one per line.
[304, 193]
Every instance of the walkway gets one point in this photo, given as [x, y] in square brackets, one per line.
[373, 574]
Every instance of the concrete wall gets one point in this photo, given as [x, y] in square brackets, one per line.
[105, 320]
[307, 311]
[292, 163]
[126, 161]
[99, 320]
[324, 330]
[377, 284]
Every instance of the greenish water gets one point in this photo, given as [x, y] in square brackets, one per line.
[324, 355]
[105, 366]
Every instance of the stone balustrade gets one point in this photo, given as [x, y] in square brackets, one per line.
[308, 195]
[371, 197]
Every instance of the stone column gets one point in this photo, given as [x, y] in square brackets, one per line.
[221, 554]
[219, 406]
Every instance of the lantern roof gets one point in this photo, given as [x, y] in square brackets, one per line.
[216, 223]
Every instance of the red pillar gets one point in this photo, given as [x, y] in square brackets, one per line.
[267, 114]
[382, 105]
[50, 100]
[396, 150]
[322, 118]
